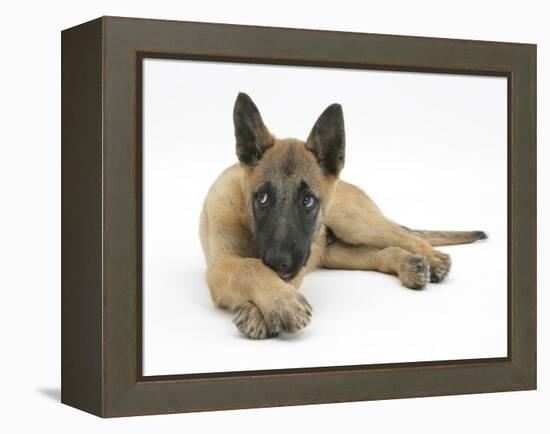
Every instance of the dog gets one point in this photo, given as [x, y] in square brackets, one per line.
[282, 211]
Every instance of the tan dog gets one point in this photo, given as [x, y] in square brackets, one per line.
[282, 212]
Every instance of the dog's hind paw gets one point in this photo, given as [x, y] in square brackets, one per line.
[414, 272]
[440, 265]
[250, 321]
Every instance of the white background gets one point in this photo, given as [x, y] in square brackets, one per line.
[429, 148]
[30, 217]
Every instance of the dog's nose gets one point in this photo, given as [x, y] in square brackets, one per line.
[279, 262]
[284, 264]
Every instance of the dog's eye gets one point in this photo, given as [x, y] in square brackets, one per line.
[308, 201]
[262, 197]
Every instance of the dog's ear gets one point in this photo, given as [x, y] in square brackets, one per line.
[327, 140]
[253, 137]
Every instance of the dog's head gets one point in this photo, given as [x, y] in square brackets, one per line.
[289, 183]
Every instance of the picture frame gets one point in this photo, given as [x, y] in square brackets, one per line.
[102, 370]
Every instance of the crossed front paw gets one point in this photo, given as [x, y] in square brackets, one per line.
[286, 311]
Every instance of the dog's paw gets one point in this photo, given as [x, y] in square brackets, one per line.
[286, 311]
[414, 272]
[250, 321]
[440, 265]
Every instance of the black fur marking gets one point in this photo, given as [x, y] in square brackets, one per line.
[327, 140]
[284, 228]
[482, 235]
[330, 236]
[251, 134]
[287, 323]
[289, 165]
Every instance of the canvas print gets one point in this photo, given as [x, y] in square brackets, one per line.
[299, 217]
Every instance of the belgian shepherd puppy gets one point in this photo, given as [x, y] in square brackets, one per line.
[282, 211]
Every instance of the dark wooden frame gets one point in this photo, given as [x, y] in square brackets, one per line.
[101, 227]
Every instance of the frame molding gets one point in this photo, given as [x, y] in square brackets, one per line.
[101, 216]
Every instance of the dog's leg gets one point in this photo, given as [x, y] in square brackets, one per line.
[264, 305]
[412, 269]
[355, 219]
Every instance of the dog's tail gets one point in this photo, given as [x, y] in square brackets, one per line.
[448, 238]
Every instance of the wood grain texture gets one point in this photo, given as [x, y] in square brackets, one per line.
[81, 214]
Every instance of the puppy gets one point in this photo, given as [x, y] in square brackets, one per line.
[282, 211]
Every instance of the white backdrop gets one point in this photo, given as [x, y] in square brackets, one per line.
[30, 228]
[429, 148]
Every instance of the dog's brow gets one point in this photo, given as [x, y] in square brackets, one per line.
[263, 186]
[304, 186]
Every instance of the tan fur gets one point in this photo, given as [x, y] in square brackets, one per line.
[448, 238]
[365, 239]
